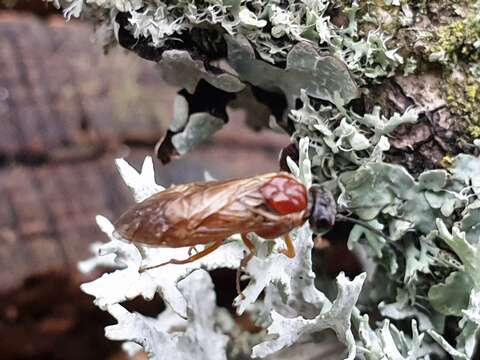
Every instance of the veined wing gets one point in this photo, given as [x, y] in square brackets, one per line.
[194, 213]
[217, 203]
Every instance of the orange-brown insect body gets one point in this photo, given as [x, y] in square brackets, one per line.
[269, 205]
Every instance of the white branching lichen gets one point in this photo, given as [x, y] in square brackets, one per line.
[335, 316]
[270, 271]
[201, 338]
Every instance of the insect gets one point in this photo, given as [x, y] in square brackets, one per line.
[269, 205]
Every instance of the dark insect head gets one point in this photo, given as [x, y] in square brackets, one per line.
[322, 209]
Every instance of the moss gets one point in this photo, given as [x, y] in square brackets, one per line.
[447, 161]
[456, 46]
[463, 97]
[472, 91]
[457, 41]
[443, 32]
[474, 131]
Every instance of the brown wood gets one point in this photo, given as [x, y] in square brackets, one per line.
[48, 215]
[60, 93]
[422, 145]
[68, 112]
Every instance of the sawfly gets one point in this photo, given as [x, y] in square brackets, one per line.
[269, 205]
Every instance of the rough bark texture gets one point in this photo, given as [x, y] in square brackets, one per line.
[439, 133]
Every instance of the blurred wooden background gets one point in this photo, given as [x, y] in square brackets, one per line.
[66, 111]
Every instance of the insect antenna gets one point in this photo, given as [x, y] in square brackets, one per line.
[350, 208]
[344, 218]
[364, 224]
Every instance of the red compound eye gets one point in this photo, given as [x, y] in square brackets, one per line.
[285, 195]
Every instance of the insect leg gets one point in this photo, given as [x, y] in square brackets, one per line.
[192, 258]
[191, 250]
[249, 244]
[290, 250]
[253, 250]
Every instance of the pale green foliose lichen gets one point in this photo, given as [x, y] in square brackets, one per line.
[423, 270]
